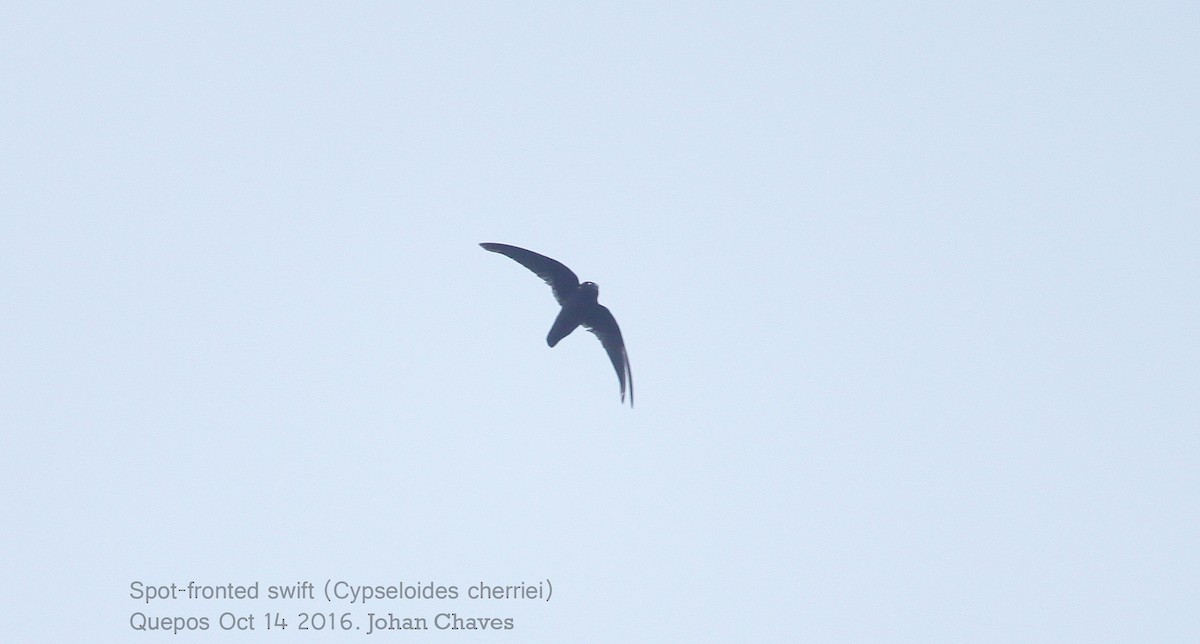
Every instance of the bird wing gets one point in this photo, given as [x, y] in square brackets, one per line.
[599, 320]
[561, 279]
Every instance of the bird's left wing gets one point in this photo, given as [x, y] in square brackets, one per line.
[561, 279]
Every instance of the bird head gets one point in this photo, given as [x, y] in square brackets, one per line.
[590, 288]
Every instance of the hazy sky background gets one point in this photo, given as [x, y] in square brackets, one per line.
[909, 292]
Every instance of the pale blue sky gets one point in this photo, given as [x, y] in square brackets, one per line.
[909, 292]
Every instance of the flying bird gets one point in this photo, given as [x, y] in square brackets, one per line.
[579, 307]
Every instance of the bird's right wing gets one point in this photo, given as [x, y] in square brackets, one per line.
[561, 279]
[600, 320]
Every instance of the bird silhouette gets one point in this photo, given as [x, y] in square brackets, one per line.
[579, 308]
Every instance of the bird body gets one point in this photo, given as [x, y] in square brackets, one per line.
[580, 307]
[574, 312]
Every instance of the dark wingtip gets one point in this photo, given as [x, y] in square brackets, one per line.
[629, 377]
